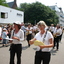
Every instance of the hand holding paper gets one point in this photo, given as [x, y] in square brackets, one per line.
[37, 43]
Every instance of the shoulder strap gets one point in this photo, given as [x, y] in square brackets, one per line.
[44, 36]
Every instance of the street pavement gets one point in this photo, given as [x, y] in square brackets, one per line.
[28, 53]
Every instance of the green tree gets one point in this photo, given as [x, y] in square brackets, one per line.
[37, 11]
[24, 6]
[3, 3]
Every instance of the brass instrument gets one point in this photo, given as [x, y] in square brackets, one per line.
[54, 35]
[27, 32]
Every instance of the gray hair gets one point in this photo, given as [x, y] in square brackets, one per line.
[41, 23]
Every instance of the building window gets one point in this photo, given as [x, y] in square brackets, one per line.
[62, 16]
[62, 20]
[4, 15]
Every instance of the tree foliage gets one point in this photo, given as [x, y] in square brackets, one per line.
[37, 11]
[3, 3]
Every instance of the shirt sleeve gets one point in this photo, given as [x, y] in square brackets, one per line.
[22, 35]
[60, 31]
[50, 35]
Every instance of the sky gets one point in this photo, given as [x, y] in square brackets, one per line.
[59, 3]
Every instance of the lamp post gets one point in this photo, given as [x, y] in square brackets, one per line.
[35, 21]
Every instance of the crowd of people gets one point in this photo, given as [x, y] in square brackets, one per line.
[18, 32]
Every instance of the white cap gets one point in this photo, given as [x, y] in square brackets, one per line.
[4, 29]
[17, 22]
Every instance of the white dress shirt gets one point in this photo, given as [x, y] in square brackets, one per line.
[46, 42]
[20, 35]
[30, 32]
[58, 31]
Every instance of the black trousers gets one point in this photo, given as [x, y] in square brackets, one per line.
[15, 48]
[29, 36]
[56, 42]
[42, 56]
[60, 37]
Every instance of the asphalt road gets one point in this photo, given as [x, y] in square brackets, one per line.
[57, 57]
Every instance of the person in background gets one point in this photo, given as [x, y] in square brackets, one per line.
[24, 29]
[29, 30]
[35, 29]
[57, 33]
[4, 36]
[42, 51]
[9, 28]
[17, 36]
[61, 33]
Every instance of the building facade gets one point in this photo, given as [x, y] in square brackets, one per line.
[59, 13]
[9, 15]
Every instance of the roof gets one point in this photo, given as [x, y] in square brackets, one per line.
[10, 4]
